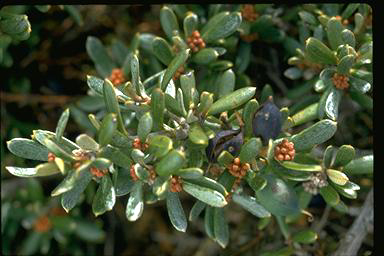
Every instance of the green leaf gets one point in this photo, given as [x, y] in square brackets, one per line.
[123, 182]
[314, 135]
[322, 102]
[205, 56]
[89, 231]
[308, 17]
[145, 126]
[257, 182]
[334, 30]
[346, 64]
[137, 156]
[226, 83]
[301, 167]
[232, 100]
[190, 173]
[209, 222]
[160, 145]
[337, 177]
[225, 158]
[190, 23]
[209, 183]
[168, 21]
[206, 101]
[42, 135]
[33, 172]
[86, 142]
[158, 107]
[96, 84]
[105, 197]
[196, 210]
[348, 38]
[250, 150]
[119, 51]
[292, 174]
[188, 86]
[249, 112]
[170, 163]
[180, 101]
[15, 24]
[173, 106]
[197, 135]
[175, 212]
[250, 204]
[135, 74]
[29, 149]
[344, 155]
[101, 163]
[107, 129]
[223, 26]
[61, 124]
[115, 155]
[330, 195]
[346, 190]
[220, 227]
[293, 73]
[305, 237]
[243, 57]
[319, 53]
[135, 204]
[328, 156]
[162, 50]
[277, 197]
[204, 194]
[58, 150]
[75, 14]
[175, 64]
[70, 198]
[220, 65]
[99, 56]
[365, 101]
[31, 243]
[332, 103]
[112, 104]
[66, 185]
[349, 10]
[359, 85]
[358, 166]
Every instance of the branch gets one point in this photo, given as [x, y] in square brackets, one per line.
[36, 98]
[351, 243]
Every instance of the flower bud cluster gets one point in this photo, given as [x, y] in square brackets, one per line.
[195, 42]
[98, 173]
[285, 150]
[316, 181]
[137, 144]
[51, 157]
[133, 173]
[42, 224]
[249, 13]
[238, 169]
[340, 81]
[117, 76]
[176, 184]
[178, 72]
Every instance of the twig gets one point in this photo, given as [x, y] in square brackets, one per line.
[351, 243]
[35, 98]
[323, 221]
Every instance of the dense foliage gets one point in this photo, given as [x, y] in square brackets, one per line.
[182, 113]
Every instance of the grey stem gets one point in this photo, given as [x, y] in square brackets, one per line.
[363, 224]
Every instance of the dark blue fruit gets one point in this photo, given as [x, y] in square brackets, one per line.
[230, 140]
[267, 122]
